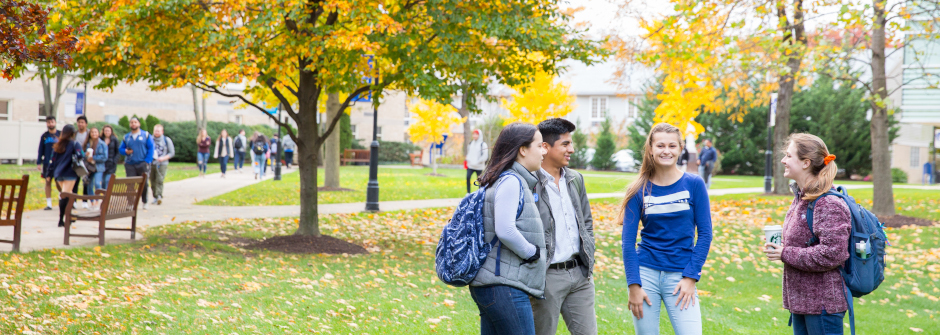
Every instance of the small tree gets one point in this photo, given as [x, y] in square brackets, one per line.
[646, 114]
[579, 157]
[539, 100]
[433, 120]
[605, 148]
[151, 121]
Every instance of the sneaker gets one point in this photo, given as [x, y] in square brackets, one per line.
[160, 201]
[145, 206]
[48, 208]
[155, 200]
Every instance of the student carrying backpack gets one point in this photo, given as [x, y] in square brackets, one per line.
[258, 148]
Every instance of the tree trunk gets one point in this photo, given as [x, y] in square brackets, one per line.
[196, 106]
[205, 121]
[332, 154]
[883, 196]
[794, 55]
[464, 112]
[308, 149]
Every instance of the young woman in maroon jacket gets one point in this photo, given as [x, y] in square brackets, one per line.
[813, 290]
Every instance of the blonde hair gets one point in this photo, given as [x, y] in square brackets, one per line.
[812, 148]
[647, 168]
[201, 136]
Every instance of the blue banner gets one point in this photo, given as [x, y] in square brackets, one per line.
[366, 97]
[79, 103]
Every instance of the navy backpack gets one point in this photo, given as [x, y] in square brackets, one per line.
[865, 268]
[462, 250]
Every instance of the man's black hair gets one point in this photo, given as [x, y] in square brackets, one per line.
[552, 129]
[80, 118]
[50, 117]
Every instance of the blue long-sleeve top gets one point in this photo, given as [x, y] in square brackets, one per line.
[671, 217]
[46, 141]
[709, 154]
[100, 155]
[142, 144]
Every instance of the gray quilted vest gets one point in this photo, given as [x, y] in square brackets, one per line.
[530, 278]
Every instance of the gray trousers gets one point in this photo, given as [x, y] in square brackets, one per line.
[157, 173]
[569, 293]
[137, 170]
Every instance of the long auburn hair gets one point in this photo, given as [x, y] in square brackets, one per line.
[813, 148]
[516, 135]
[647, 168]
[65, 138]
[90, 142]
[203, 134]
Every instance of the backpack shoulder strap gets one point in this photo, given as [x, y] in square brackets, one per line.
[809, 216]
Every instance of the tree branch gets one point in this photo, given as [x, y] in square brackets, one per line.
[211, 88]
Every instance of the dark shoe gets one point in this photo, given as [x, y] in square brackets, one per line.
[48, 208]
[61, 224]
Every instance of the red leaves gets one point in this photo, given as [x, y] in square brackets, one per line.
[24, 38]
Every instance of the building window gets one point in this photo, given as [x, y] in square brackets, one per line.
[915, 157]
[406, 122]
[378, 133]
[43, 114]
[632, 109]
[598, 107]
[352, 129]
[238, 119]
[4, 111]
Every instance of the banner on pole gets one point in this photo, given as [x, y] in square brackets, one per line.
[79, 103]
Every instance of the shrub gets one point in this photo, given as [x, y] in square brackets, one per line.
[151, 121]
[898, 176]
[579, 157]
[605, 148]
[396, 152]
[184, 134]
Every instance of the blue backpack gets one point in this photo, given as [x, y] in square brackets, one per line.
[462, 250]
[865, 268]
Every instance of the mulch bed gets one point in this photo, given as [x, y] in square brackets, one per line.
[297, 244]
[333, 189]
[898, 221]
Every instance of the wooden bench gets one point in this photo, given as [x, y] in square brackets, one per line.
[13, 193]
[355, 156]
[120, 200]
[416, 158]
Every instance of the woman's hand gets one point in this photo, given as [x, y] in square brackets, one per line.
[773, 251]
[637, 297]
[686, 291]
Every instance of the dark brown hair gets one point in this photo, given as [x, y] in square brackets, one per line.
[514, 136]
[65, 138]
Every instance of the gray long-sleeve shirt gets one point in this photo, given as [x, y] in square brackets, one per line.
[507, 203]
[163, 148]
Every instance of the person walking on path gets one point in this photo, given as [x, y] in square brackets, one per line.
[96, 155]
[569, 237]
[203, 142]
[477, 153]
[81, 135]
[515, 268]
[63, 151]
[259, 150]
[138, 147]
[707, 161]
[110, 165]
[163, 151]
[674, 207]
[813, 288]
[44, 159]
[223, 150]
[239, 146]
[272, 151]
[288, 144]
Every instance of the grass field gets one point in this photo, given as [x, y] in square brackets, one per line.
[192, 278]
[416, 184]
[36, 198]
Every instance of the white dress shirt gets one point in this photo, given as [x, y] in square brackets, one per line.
[567, 238]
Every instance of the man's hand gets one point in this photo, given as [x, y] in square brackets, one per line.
[129, 151]
[39, 167]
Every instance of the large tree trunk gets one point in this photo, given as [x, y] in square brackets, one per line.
[308, 147]
[332, 154]
[794, 55]
[880, 157]
[464, 112]
[196, 107]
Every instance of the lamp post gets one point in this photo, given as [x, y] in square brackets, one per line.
[769, 154]
[372, 190]
[277, 155]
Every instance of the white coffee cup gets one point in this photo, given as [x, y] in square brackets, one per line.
[774, 234]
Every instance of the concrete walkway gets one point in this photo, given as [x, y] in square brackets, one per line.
[40, 231]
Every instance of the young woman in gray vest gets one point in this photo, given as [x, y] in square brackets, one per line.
[515, 268]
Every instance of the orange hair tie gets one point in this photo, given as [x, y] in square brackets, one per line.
[829, 158]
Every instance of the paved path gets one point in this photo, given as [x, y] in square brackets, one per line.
[40, 231]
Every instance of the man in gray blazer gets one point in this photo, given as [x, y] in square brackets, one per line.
[569, 237]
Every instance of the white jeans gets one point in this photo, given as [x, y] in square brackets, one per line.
[659, 286]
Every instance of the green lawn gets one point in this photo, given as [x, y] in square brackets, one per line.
[416, 184]
[36, 198]
[193, 278]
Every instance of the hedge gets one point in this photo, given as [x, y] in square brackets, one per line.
[184, 134]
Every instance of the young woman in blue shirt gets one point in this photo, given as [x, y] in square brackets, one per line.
[667, 264]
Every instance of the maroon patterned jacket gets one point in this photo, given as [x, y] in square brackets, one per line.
[811, 278]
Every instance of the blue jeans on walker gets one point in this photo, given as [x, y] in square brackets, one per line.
[105, 179]
[258, 163]
[94, 183]
[823, 324]
[202, 159]
[239, 160]
[659, 285]
[503, 310]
